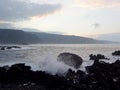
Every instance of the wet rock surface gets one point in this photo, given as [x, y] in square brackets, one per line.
[116, 53]
[8, 47]
[100, 76]
[70, 59]
[97, 57]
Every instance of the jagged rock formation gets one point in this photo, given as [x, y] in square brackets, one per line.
[116, 53]
[100, 76]
[97, 57]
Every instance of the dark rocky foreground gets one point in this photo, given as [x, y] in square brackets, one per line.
[99, 76]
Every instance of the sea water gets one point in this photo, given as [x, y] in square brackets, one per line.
[44, 56]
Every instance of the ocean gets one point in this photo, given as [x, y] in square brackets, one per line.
[44, 56]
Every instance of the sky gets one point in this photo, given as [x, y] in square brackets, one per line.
[88, 18]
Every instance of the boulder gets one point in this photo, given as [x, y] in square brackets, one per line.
[70, 59]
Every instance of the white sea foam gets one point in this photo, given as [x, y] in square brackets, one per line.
[50, 65]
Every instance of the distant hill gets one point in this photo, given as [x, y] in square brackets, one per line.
[9, 36]
[17, 37]
[64, 39]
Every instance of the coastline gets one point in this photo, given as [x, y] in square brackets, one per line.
[99, 76]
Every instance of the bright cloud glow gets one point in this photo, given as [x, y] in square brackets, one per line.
[98, 3]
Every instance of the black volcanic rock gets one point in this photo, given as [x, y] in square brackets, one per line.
[2, 48]
[20, 74]
[70, 59]
[116, 53]
[8, 47]
[105, 75]
[97, 57]
[100, 76]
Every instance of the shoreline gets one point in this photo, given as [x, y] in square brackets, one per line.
[100, 76]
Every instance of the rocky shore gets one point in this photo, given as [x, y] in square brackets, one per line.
[99, 76]
[9, 47]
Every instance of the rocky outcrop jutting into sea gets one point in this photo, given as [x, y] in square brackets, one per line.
[9, 47]
[97, 57]
[116, 53]
[99, 76]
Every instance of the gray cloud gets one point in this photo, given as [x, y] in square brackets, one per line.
[94, 4]
[13, 10]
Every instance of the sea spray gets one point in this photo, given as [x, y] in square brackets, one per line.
[51, 65]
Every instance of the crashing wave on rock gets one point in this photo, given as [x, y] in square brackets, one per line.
[99, 76]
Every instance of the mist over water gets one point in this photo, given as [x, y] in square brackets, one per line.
[44, 57]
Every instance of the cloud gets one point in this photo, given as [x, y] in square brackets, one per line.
[15, 10]
[98, 3]
[44, 1]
